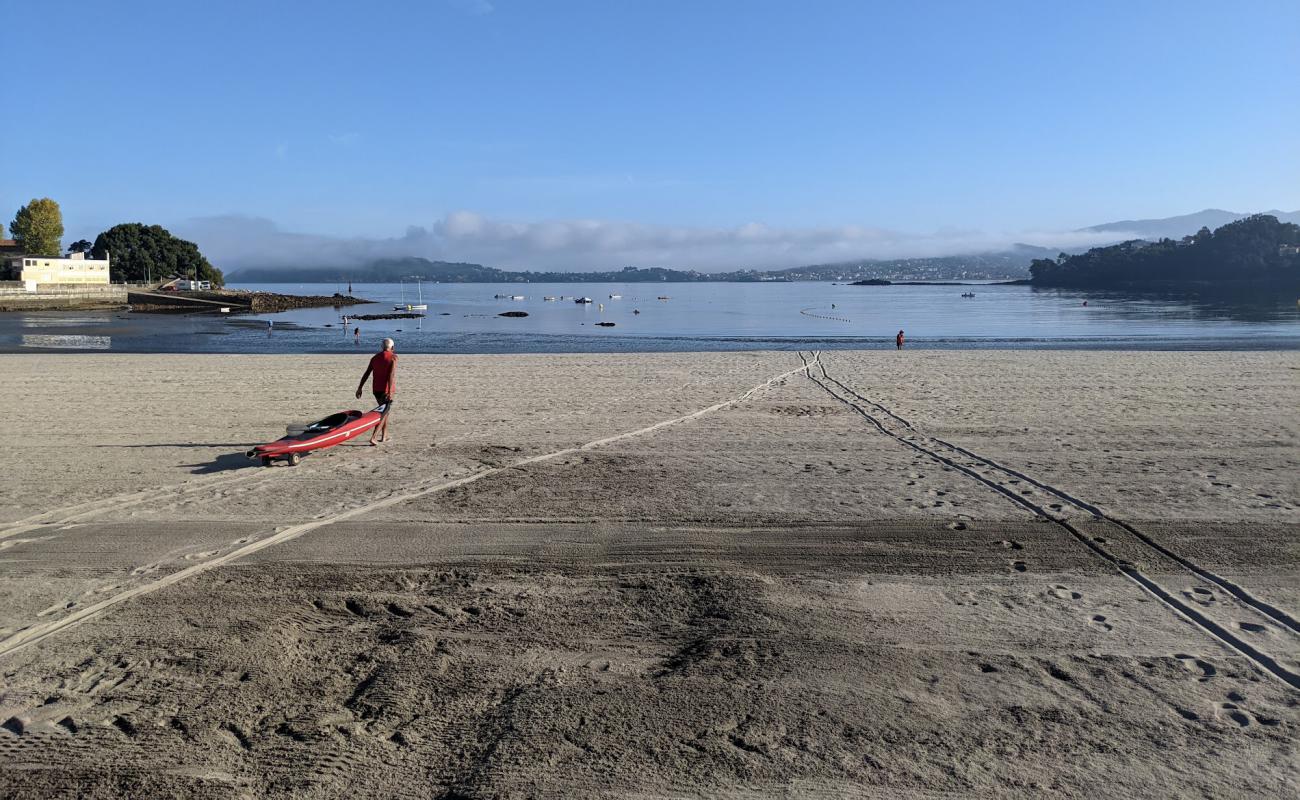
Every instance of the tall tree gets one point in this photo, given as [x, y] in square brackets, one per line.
[38, 227]
[149, 252]
[80, 246]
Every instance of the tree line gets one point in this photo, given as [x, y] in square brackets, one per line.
[1256, 250]
[138, 252]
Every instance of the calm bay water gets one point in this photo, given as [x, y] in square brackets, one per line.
[463, 318]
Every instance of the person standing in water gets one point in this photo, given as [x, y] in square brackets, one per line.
[898, 341]
[383, 365]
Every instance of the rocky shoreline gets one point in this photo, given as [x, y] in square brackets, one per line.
[238, 301]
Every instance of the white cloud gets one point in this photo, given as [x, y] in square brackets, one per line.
[234, 242]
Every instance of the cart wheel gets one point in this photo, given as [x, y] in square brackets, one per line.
[294, 458]
[266, 461]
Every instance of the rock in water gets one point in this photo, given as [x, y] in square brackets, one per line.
[513, 314]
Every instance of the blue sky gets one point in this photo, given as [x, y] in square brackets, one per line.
[585, 133]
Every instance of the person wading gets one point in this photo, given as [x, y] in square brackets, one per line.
[384, 367]
[898, 343]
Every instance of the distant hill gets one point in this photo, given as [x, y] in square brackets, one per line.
[1012, 263]
[1255, 251]
[1178, 227]
[388, 270]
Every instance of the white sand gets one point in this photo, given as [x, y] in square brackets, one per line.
[776, 596]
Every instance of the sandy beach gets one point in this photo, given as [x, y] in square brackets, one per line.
[865, 574]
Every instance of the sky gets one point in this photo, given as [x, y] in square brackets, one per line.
[591, 135]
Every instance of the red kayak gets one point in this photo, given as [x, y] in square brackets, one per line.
[334, 429]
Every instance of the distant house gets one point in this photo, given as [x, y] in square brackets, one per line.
[1288, 249]
[8, 247]
[74, 269]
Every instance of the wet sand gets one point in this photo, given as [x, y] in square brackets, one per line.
[879, 574]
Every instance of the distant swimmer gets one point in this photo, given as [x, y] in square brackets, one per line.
[383, 365]
[898, 341]
[356, 334]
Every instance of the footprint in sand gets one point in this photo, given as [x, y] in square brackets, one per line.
[1205, 669]
[1062, 593]
[1098, 621]
[1201, 595]
[1018, 566]
[1252, 627]
[1232, 712]
[1011, 544]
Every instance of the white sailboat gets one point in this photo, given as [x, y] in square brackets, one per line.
[402, 305]
[419, 305]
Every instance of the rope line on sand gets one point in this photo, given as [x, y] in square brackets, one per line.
[37, 633]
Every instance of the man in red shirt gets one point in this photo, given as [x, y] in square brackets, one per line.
[383, 365]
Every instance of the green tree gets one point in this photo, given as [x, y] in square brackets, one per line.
[38, 227]
[141, 252]
[80, 246]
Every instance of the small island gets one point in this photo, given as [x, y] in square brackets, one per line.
[1254, 252]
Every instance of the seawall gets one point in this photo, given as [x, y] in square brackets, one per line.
[16, 296]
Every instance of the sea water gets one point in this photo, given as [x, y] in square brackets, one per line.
[465, 318]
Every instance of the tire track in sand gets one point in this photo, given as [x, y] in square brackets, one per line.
[37, 633]
[1262, 660]
[1278, 615]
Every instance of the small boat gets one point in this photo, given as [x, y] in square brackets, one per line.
[581, 300]
[419, 305]
[616, 297]
[334, 429]
[224, 309]
[517, 297]
[664, 297]
[550, 299]
[968, 294]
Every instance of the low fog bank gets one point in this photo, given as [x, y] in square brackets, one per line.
[236, 242]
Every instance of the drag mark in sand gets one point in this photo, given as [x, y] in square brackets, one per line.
[37, 633]
[79, 512]
[1264, 661]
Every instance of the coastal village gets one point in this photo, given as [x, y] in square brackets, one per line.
[156, 273]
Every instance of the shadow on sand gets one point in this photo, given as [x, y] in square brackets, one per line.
[224, 463]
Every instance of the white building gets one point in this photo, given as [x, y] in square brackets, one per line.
[75, 269]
